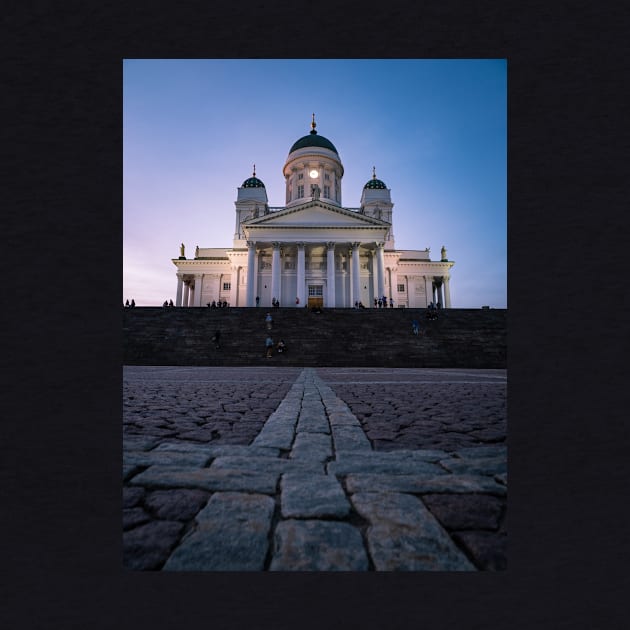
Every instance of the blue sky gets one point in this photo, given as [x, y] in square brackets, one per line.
[436, 130]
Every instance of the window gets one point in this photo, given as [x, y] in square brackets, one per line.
[401, 288]
[327, 176]
[300, 191]
[327, 192]
[300, 175]
[315, 290]
[227, 286]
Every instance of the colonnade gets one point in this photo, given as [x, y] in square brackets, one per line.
[189, 293]
[436, 287]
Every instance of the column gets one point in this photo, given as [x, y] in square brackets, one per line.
[393, 284]
[251, 253]
[186, 293]
[344, 279]
[198, 287]
[275, 271]
[301, 275]
[356, 273]
[441, 293]
[234, 286]
[180, 285]
[330, 274]
[428, 285]
[256, 273]
[447, 292]
[374, 278]
[380, 265]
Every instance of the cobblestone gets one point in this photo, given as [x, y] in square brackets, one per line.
[312, 446]
[318, 546]
[403, 536]
[420, 484]
[307, 496]
[231, 535]
[215, 479]
[327, 469]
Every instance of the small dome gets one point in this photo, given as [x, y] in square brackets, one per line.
[375, 183]
[253, 182]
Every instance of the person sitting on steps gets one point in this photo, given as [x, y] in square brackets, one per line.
[215, 339]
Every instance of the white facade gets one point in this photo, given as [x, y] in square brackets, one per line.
[313, 251]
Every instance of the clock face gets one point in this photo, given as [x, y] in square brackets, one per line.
[313, 173]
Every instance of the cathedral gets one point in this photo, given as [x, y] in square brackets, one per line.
[313, 251]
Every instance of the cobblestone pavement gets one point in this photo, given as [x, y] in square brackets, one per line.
[328, 469]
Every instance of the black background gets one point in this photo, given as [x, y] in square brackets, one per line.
[62, 198]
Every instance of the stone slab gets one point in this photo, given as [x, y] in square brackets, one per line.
[165, 458]
[391, 463]
[404, 536]
[219, 450]
[342, 418]
[278, 432]
[267, 465]
[231, 535]
[350, 438]
[313, 424]
[419, 484]
[133, 443]
[466, 511]
[179, 504]
[147, 547]
[476, 465]
[213, 479]
[318, 546]
[311, 496]
[482, 451]
[312, 446]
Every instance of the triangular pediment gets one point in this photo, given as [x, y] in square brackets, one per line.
[315, 214]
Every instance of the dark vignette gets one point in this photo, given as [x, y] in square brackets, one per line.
[61, 437]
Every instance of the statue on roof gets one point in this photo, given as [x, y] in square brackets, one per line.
[181, 250]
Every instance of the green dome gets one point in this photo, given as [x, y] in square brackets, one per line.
[253, 182]
[375, 183]
[313, 140]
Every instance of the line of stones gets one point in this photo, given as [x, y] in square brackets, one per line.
[232, 531]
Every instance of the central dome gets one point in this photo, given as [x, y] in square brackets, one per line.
[313, 139]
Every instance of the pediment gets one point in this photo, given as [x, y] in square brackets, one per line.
[315, 214]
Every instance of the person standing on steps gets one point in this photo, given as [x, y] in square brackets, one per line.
[269, 321]
[257, 300]
[269, 346]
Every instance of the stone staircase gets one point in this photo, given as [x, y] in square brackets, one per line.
[459, 338]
